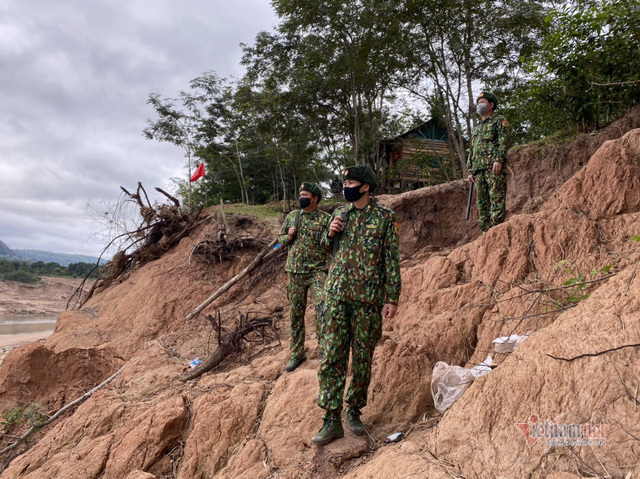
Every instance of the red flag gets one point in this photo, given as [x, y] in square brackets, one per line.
[199, 173]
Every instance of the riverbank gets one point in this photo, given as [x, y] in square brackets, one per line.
[11, 341]
[47, 297]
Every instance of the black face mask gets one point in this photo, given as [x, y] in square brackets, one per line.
[304, 202]
[353, 194]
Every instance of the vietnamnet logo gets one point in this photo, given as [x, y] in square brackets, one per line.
[566, 434]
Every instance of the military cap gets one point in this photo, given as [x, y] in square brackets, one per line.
[363, 174]
[312, 188]
[490, 97]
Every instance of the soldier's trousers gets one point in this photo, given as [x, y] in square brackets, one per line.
[347, 326]
[297, 288]
[492, 194]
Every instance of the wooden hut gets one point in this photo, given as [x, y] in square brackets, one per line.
[396, 155]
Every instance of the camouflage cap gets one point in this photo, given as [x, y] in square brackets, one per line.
[363, 174]
[312, 188]
[490, 97]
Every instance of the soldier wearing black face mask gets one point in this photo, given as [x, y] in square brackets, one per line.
[303, 231]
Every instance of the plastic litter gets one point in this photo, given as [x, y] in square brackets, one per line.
[448, 383]
[506, 344]
[277, 246]
[483, 368]
[194, 363]
[395, 437]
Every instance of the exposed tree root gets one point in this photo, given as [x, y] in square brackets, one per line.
[233, 341]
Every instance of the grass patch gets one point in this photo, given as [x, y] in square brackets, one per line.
[268, 211]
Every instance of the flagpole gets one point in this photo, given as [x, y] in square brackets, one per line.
[189, 158]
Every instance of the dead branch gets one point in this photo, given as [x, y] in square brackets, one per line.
[222, 249]
[164, 226]
[231, 343]
[172, 198]
[141, 188]
[547, 290]
[59, 413]
[534, 315]
[632, 82]
[265, 255]
[599, 353]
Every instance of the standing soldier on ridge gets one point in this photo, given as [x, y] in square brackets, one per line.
[487, 161]
[336, 186]
[303, 230]
[363, 286]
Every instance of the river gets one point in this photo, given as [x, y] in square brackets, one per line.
[21, 323]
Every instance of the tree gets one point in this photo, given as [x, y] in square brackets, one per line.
[453, 46]
[589, 64]
[336, 61]
[185, 121]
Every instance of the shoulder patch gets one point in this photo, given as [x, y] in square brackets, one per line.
[505, 123]
[396, 226]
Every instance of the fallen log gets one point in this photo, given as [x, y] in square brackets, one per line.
[231, 343]
[265, 255]
[59, 413]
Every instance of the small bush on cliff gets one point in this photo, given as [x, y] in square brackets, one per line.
[21, 414]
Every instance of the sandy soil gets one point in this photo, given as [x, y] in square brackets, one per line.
[49, 296]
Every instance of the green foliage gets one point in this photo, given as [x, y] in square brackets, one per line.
[20, 277]
[23, 414]
[586, 71]
[433, 168]
[635, 238]
[579, 282]
[24, 272]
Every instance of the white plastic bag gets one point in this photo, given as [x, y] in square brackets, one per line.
[506, 344]
[448, 383]
[483, 368]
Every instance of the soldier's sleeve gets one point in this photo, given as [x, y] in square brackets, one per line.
[391, 257]
[283, 237]
[503, 133]
[326, 242]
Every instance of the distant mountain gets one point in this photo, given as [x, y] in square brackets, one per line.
[5, 250]
[49, 257]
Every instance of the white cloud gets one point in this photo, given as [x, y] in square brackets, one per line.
[76, 76]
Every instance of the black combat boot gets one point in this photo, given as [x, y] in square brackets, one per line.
[294, 363]
[331, 430]
[353, 421]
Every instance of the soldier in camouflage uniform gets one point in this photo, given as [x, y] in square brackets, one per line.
[487, 161]
[363, 286]
[303, 231]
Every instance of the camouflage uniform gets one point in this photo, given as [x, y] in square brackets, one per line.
[363, 275]
[306, 269]
[489, 143]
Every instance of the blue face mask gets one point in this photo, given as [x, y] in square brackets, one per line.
[353, 194]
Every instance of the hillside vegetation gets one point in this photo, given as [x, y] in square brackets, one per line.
[575, 205]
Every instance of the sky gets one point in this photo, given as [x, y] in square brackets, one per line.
[75, 76]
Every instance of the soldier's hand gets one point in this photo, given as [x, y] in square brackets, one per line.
[471, 179]
[497, 168]
[336, 226]
[292, 233]
[389, 310]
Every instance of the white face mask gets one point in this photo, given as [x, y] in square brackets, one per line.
[482, 109]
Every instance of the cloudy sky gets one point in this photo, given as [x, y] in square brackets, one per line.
[74, 79]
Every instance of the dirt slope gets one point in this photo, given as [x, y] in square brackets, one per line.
[460, 290]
